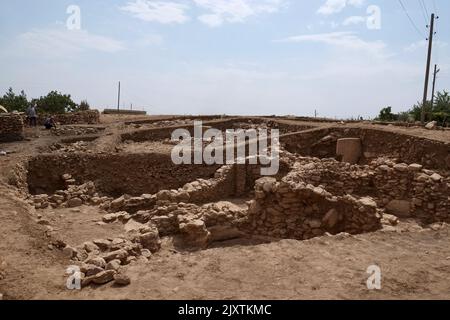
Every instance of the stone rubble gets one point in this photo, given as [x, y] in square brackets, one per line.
[80, 146]
[68, 130]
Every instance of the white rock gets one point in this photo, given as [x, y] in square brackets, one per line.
[431, 125]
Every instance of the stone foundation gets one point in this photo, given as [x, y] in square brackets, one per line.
[11, 127]
[288, 209]
[322, 143]
[113, 174]
[83, 117]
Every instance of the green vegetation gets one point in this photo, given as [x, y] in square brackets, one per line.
[53, 102]
[12, 101]
[439, 111]
[84, 106]
[387, 115]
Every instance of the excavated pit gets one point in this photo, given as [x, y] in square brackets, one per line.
[164, 133]
[112, 174]
[322, 143]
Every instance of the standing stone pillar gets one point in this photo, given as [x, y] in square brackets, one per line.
[350, 149]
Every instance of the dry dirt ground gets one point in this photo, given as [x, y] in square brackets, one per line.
[415, 261]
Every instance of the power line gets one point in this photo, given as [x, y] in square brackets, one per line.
[425, 7]
[434, 6]
[411, 20]
[436, 34]
[423, 10]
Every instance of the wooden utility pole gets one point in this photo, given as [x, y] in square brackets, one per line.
[118, 99]
[427, 75]
[436, 71]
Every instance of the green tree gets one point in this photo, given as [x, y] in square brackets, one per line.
[442, 102]
[416, 111]
[84, 106]
[441, 108]
[13, 102]
[405, 117]
[55, 102]
[387, 115]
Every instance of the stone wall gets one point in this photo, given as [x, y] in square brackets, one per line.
[125, 112]
[83, 117]
[11, 127]
[321, 143]
[403, 190]
[158, 134]
[113, 174]
[409, 190]
[296, 210]
[174, 118]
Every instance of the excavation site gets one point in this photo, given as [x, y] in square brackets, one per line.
[96, 208]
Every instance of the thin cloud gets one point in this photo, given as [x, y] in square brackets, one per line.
[62, 42]
[215, 12]
[343, 40]
[335, 6]
[354, 20]
[234, 11]
[158, 11]
[423, 44]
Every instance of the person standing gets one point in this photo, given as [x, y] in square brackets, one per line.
[32, 115]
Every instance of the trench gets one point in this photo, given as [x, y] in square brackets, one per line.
[113, 174]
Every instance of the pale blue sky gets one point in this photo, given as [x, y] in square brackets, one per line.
[217, 56]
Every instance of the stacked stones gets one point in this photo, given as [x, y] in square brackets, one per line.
[11, 127]
[74, 196]
[409, 190]
[405, 190]
[83, 117]
[199, 191]
[102, 259]
[75, 131]
[165, 215]
[290, 209]
[170, 123]
[129, 204]
[174, 218]
[336, 177]
[80, 146]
